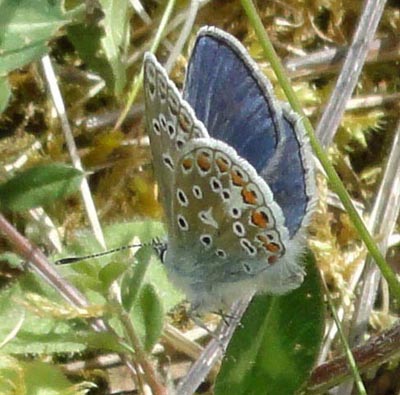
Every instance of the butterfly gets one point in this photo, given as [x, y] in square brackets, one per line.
[235, 175]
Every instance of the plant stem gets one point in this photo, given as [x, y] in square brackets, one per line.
[138, 82]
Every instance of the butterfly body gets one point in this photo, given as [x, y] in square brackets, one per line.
[227, 182]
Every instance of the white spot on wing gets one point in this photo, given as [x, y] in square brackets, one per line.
[207, 218]
[182, 222]
[182, 198]
[197, 192]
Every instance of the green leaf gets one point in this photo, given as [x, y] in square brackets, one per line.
[274, 349]
[39, 186]
[13, 260]
[111, 272]
[153, 315]
[38, 334]
[149, 312]
[5, 93]
[87, 41]
[116, 38]
[26, 26]
[103, 47]
[9, 375]
[100, 341]
[134, 278]
[32, 377]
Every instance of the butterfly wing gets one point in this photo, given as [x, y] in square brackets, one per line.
[291, 178]
[170, 123]
[236, 103]
[234, 204]
[231, 96]
[229, 227]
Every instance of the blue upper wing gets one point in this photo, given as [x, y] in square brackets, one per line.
[232, 97]
[235, 102]
[291, 175]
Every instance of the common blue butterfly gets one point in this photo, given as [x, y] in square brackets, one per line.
[235, 175]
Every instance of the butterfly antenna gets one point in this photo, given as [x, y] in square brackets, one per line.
[159, 246]
[64, 261]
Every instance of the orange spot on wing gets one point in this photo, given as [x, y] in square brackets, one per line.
[222, 164]
[237, 179]
[187, 163]
[262, 238]
[184, 122]
[249, 197]
[203, 162]
[273, 247]
[259, 219]
[272, 259]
